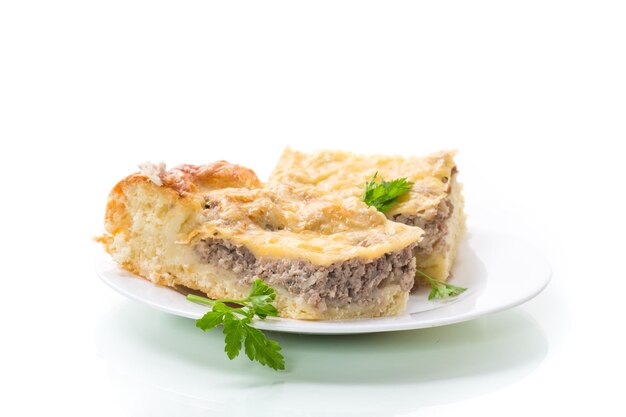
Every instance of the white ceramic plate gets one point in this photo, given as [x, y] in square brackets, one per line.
[499, 270]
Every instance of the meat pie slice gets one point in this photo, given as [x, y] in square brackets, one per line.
[214, 228]
[434, 203]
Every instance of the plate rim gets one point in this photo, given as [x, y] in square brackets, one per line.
[104, 263]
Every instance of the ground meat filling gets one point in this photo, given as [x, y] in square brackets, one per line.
[434, 230]
[338, 284]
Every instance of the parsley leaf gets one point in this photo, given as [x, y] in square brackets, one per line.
[259, 347]
[237, 329]
[261, 296]
[261, 288]
[234, 333]
[210, 320]
[441, 289]
[384, 194]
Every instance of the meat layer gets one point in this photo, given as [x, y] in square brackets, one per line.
[434, 230]
[341, 283]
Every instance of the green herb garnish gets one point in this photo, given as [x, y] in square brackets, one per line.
[383, 194]
[236, 321]
[441, 289]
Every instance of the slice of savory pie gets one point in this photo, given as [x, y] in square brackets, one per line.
[434, 202]
[216, 227]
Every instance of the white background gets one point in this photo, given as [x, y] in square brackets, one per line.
[532, 93]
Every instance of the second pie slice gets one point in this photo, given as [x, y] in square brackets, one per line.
[434, 202]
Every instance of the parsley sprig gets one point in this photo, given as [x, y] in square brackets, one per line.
[441, 289]
[383, 194]
[237, 328]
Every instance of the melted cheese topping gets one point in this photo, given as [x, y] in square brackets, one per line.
[284, 222]
[345, 173]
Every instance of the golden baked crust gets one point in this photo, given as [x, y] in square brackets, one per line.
[189, 179]
[434, 187]
[185, 181]
[154, 219]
